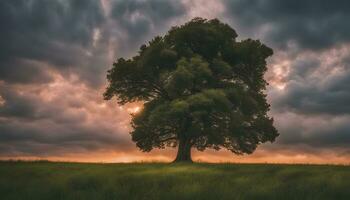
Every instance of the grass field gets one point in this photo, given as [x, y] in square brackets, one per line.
[46, 180]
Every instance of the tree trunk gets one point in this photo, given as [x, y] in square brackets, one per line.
[184, 151]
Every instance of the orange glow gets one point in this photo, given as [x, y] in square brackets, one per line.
[134, 110]
[210, 156]
[279, 72]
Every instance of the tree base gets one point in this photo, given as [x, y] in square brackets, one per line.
[182, 161]
[183, 152]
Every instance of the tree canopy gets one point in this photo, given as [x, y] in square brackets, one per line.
[200, 88]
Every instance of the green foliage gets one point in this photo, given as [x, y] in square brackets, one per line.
[179, 181]
[198, 85]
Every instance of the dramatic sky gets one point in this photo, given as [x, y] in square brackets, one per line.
[54, 55]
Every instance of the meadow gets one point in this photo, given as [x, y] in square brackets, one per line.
[51, 180]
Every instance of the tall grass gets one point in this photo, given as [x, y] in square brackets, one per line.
[48, 180]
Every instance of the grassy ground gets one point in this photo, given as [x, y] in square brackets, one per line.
[44, 180]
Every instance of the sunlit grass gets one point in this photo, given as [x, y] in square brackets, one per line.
[45, 180]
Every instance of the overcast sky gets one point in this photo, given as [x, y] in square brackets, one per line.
[54, 56]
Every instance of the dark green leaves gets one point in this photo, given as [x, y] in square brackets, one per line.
[197, 83]
[189, 77]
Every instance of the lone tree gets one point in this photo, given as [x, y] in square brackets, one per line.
[200, 88]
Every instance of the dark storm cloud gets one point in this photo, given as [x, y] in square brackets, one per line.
[30, 107]
[140, 20]
[29, 125]
[24, 71]
[24, 137]
[75, 36]
[54, 32]
[317, 132]
[138, 16]
[312, 24]
[16, 105]
[316, 87]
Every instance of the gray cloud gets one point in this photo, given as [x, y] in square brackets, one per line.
[138, 16]
[312, 24]
[54, 32]
[319, 132]
[138, 21]
[24, 71]
[28, 123]
[318, 84]
[75, 36]
[26, 138]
